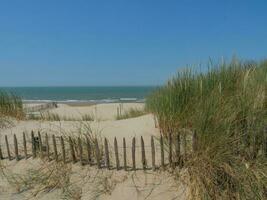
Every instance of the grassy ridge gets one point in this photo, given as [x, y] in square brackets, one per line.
[227, 106]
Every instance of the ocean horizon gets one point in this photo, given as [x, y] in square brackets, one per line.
[72, 94]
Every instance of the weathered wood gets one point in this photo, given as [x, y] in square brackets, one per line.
[33, 145]
[7, 148]
[106, 154]
[16, 148]
[97, 153]
[40, 144]
[25, 146]
[143, 153]
[185, 145]
[80, 150]
[265, 142]
[177, 149]
[194, 141]
[124, 155]
[153, 153]
[133, 153]
[63, 149]
[116, 154]
[170, 149]
[47, 146]
[55, 147]
[162, 151]
[72, 152]
[1, 153]
[89, 151]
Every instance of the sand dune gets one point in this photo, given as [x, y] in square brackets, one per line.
[90, 182]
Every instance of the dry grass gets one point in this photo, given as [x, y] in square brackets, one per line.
[131, 113]
[49, 116]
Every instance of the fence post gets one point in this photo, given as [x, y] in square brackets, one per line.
[153, 153]
[265, 141]
[133, 153]
[143, 152]
[47, 146]
[162, 151]
[40, 144]
[116, 153]
[72, 150]
[63, 149]
[88, 146]
[7, 148]
[97, 152]
[55, 147]
[170, 149]
[25, 145]
[194, 141]
[106, 153]
[177, 148]
[16, 147]
[184, 141]
[124, 155]
[1, 153]
[80, 150]
[33, 145]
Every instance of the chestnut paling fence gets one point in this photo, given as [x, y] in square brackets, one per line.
[172, 151]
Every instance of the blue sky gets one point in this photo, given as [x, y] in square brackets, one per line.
[54, 42]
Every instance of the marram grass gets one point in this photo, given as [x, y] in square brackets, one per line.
[11, 105]
[227, 107]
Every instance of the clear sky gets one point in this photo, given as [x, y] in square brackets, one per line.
[137, 42]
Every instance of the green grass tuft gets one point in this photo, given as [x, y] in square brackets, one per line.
[227, 107]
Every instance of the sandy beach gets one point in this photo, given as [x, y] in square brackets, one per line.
[88, 182]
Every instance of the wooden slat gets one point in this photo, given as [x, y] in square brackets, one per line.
[177, 149]
[80, 150]
[97, 153]
[25, 146]
[153, 153]
[124, 155]
[107, 154]
[89, 151]
[170, 149]
[1, 153]
[133, 153]
[47, 146]
[143, 153]
[16, 148]
[33, 145]
[63, 149]
[162, 151]
[72, 152]
[7, 148]
[185, 145]
[55, 148]
[194, 141]
[116, 154]
[40, 144]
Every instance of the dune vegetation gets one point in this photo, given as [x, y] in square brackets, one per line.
[10, 107]
[131, 113]
[226, 106]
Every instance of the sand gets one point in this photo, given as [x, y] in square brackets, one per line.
[89, 182]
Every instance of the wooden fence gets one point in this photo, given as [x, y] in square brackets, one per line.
[172, 151]
[41, 107]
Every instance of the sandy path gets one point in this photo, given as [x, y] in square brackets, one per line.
[108, 184]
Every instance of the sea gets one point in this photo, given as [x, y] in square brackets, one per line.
[96, 94]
